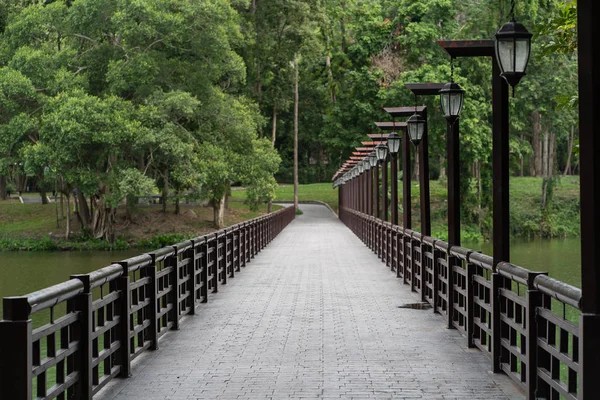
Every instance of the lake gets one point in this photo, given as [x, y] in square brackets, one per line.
[26, 272]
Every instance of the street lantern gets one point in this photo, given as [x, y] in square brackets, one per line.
[373, 159]
[361, 167]
[513, 47]
[416, 127]
[393, 143]
[451, 99]
[367, 163]
[381, 150]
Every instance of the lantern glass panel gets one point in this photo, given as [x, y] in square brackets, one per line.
[381, 151]
[506, 52]
[393, 142]
[445, 102]
[373, 160]
[416, 128]
[456, 103]
[522, 54]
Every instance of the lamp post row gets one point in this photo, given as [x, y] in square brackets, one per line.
[509, 54]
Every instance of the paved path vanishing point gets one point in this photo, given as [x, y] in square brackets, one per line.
[314, 315]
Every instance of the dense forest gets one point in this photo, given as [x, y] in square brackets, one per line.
[119, 98]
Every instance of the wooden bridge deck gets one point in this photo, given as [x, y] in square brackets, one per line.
[314, 315]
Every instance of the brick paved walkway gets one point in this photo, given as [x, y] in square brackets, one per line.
[314, 315]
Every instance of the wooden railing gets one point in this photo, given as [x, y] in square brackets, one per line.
[100, 322]
[525, 322]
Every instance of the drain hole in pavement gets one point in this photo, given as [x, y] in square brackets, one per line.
[416, 306]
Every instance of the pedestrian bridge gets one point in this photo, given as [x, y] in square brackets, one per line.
[315, 314]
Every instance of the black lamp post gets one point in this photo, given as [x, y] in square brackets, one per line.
[500, 136]
[589, 138]
[451, 101]
[513, 47]
[381, 150]
[368, 185]
[393, 141]
[510, 54]
[399, 112]
[375, 178]
[361, 169]
[433, 89]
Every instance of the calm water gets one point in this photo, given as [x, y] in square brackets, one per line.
[25, 272]
[561, 258]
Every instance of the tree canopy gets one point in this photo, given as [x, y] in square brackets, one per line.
[118, 98]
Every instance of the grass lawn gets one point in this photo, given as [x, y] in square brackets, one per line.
[40, 221]
[33, 219]
[37, 220]
[525, 204]
[315, 191]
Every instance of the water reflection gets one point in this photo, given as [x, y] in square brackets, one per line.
[561, 258]
[26, 272]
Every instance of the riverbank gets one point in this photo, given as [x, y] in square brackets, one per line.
[527, 219]
[33, 227]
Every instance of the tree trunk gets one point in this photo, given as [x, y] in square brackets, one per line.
[537, 146]
[274, 132]
[2, 187]
[521, 158]
[534, 140]
[343, 32]
[227, 196]
[259, 93]
[330, 77]
[416, 168]
[296, 133]
[544, 169]
[219, 212]
[44, 196]
[68, 231]
[215, 206]
[479, 190]
[56, 207]
[165, 190]
[551, 154]
[84, 210]
[269, 207]
[253, 7]
[177, 206]
[545, 154]
[102, 224]
[130, 205]
[569, 151]
[442, 168]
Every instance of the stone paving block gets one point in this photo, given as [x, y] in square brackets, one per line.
[314, 315]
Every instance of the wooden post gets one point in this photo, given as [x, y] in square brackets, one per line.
[16, 350]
